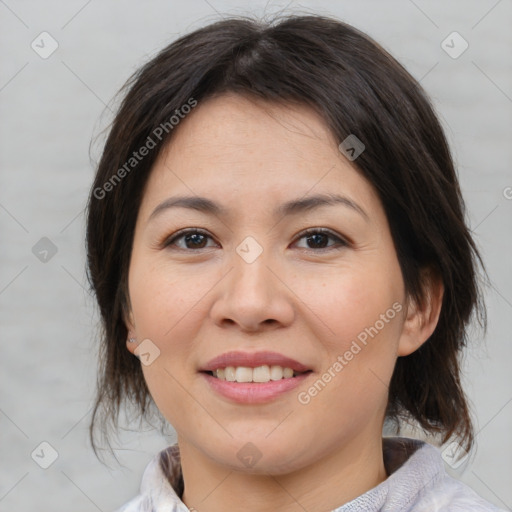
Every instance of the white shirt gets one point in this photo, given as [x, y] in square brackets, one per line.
[417, 482]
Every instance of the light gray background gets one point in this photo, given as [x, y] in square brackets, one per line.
[50, 109]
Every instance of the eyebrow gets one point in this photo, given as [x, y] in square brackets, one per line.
[293, 207]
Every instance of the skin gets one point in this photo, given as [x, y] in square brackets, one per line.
[198, 300]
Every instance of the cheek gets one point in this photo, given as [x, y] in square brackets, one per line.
[167, 309]
[355, 304]
[164, 299]
[361, 316]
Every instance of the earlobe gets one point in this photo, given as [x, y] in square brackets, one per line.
[131, 341]
[421, 316]
[131, 337]
[126, 306]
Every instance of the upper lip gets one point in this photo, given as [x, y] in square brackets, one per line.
[252, 360]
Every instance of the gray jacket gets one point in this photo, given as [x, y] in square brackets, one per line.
[418, 482]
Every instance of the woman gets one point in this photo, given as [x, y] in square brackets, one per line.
[277, 244]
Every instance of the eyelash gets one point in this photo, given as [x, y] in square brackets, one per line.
[308, 233]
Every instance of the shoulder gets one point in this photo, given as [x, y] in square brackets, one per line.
[156, 491]
[419, 482]
[141, 503]
[450, 495]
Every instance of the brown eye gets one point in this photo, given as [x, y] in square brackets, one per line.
[318, 239]
[192, 239]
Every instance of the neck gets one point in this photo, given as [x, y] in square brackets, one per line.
[328, 483]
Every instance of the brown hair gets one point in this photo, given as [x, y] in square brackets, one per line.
[357, 88]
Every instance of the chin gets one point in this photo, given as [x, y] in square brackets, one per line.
[259, 456]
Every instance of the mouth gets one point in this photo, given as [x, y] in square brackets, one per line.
[259, 374]
[252, 378]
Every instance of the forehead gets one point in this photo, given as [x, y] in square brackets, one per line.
[238, 117]
[234, 148]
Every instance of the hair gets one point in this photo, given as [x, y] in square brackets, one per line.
[358, 88]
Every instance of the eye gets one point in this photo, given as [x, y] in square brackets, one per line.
[192, 238]
[319, 236]
[197, 239]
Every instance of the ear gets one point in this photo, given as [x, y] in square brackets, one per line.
[132, 333]
[421, 317]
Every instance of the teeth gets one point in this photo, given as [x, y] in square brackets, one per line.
[263, 373]
[243, 374]
[229, 373]
[276, 373]
[287, 373]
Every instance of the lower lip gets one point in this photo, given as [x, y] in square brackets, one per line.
[251, 392]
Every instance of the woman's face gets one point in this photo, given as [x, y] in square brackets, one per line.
[251, 292]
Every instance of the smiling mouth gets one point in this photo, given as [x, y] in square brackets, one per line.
[258, 374]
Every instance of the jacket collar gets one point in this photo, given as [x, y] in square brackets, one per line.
[411, 465]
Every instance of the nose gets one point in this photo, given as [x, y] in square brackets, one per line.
[253, 296]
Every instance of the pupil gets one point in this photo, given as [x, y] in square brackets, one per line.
[315, 236]
[195, 238]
